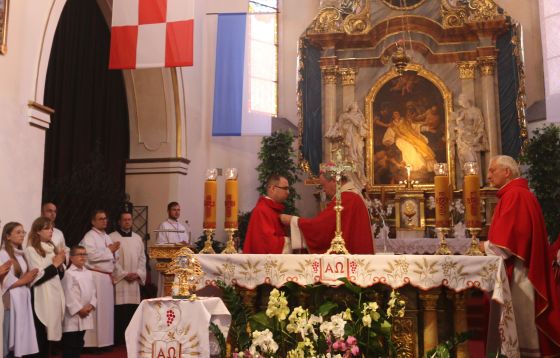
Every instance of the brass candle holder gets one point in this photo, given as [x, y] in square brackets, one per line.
[474, 250]
[208, 249]
[230, 246]
[443, 249]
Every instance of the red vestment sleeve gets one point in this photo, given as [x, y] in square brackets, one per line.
[356, 229]
[265, 234]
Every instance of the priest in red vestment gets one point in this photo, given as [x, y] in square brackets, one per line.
[265, 234]
[318, 232]
[518, 234]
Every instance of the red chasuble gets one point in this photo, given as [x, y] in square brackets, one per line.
[265, 234]
[356, 228]
[518, 225]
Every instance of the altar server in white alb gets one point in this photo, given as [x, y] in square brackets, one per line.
[19, 328]
[102, 255]
[129, 275]
[49, 211]
[47, 298]
[171, 231]
[80, 303]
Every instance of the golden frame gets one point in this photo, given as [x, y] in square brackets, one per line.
[4, 11]
[417, 197]
[368, 111]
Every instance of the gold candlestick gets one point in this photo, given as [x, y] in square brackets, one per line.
[230, 246]
[442, 249]
[208, 249]
[474, 250]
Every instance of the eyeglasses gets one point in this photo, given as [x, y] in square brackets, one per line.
[84, 255]
[282, 187]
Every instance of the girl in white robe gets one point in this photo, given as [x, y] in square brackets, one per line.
[16, 295]
[47, 294]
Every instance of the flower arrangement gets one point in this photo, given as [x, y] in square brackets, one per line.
[457, 210]
[356, 327]
[379, 214]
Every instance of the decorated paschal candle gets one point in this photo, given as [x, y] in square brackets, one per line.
[442, 195]
[231, 202]
[210, 196]
[471, 195]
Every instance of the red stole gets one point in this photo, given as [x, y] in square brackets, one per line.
[265, 234]
[518, 225]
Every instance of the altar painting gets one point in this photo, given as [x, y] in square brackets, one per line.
[408, 130]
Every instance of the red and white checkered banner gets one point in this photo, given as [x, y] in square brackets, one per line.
[151, 33]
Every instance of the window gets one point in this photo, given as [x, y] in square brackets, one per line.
[263, 56]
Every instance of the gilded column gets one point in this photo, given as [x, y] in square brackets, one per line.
[429, 305]
[466, 75]
[348, 77]
[329, 105]
[487, 65]
[460, 320]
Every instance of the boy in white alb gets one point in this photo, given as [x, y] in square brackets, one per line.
[81, 300]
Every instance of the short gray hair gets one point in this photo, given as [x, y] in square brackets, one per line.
[505, 161]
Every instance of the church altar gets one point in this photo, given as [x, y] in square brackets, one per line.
[427, 273]
[458, 246]
[166, 327]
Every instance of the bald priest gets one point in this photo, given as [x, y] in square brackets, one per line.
[319, 231]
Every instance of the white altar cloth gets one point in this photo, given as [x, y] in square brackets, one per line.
[424, 272]
[420, 246]
[165, 327]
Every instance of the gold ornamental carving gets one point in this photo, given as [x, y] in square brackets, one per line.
[329, 74]
[358, 24]
[329, 20]
[466, 69]
[521, 101]
[482, 10]
[402, 335]
[453, 16]
[487, 65]
[348, 76]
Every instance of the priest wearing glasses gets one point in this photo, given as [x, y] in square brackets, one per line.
[265, 234]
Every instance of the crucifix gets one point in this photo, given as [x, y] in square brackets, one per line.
[337, 169]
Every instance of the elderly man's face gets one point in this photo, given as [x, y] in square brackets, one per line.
[329, 186]
[498, 176]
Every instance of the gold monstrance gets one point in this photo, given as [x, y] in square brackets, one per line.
[338, 246]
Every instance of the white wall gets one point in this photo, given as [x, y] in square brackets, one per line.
[22, 145]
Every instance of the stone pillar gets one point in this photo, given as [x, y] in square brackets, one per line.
[329, 105]
[488, 106]
[429, 304]
[466, 74]
[460, 320]
[348, 77]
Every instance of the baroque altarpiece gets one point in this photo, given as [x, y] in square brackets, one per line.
[399, 85]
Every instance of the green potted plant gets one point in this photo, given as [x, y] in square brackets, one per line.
[543, 165]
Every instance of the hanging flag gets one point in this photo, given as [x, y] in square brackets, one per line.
[151, 33]
[245, 75]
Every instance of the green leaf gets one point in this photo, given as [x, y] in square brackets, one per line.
[326, 308]
[350, 286]
[260, 321]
